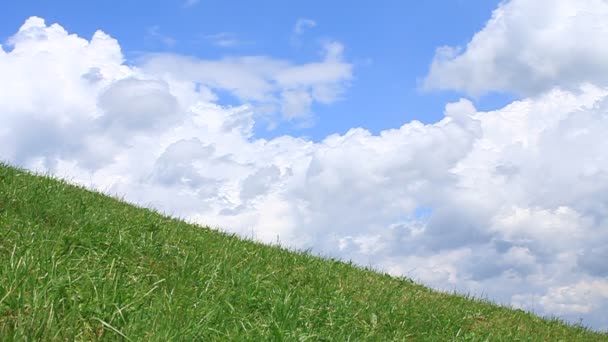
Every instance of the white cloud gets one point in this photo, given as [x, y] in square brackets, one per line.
[300, 27]
[296, 103]
[573, 301]
[559, 228]
[303, 24]
[515, 198]
[528, 47]
[223, 39]
[132, 105]
[581, 297]
[268, 84]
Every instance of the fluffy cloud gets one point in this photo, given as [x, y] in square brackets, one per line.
[132, 105]
[510, 203]
[529, 47]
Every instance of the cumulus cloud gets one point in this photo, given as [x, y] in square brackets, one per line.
[509, 203]
[131, 105]
[528, 47]
[571, 301]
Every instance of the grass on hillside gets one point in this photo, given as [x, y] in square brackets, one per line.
[76, 265]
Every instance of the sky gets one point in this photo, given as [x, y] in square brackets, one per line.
[458, 143]
[389, 46]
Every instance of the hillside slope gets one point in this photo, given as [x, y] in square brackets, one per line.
[75, 264]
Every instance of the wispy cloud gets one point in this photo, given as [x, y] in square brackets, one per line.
[223, 39]
[302, 25]
[154, 33]
[271, 85]
[299, 28]
[190, 3]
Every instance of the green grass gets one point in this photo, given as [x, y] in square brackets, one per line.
[77, 265]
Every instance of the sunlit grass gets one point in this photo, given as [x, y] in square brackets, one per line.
[76, 265]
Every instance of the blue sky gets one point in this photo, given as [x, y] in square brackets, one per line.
[391, 45]
[499, 189]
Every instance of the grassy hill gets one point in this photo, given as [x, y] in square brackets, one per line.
[77, 265]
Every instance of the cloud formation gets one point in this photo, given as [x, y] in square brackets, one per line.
[509, 203]
[528, 47]
[269, 85]
[154, 33]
